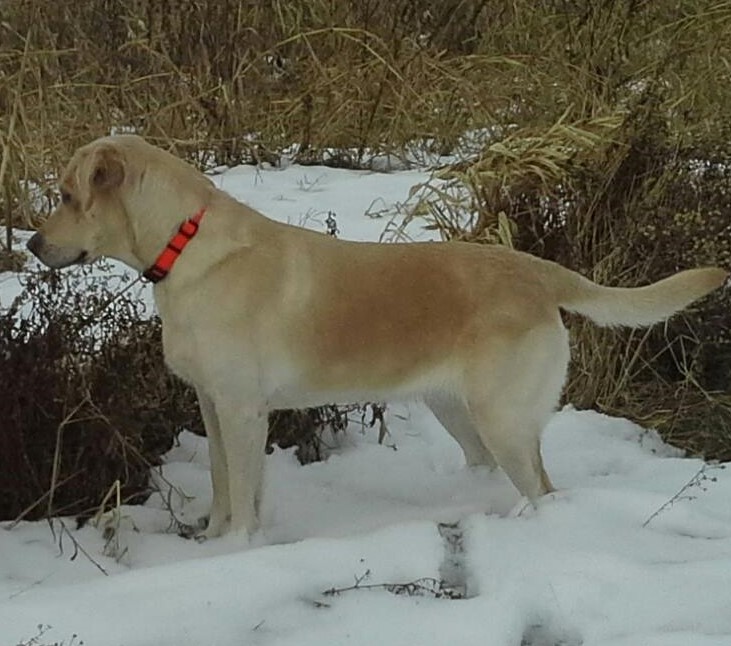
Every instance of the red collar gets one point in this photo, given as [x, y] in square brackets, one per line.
[174, 248]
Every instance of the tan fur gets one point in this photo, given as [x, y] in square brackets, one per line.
[259, 315]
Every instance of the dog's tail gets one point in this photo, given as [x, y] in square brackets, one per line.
[637, 306]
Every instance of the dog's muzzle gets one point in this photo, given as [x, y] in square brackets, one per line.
[35, 244]
[53, 256]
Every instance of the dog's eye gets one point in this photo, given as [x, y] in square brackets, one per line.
[65, 197]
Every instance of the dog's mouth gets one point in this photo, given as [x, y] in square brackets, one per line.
[56, 257]
[82, 259]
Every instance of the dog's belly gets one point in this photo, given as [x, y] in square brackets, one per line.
[354, 389]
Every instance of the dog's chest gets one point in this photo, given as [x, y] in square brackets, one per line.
[181, 345]
[180, 353]
[180, 338]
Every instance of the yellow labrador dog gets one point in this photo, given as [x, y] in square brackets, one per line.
[259, 315]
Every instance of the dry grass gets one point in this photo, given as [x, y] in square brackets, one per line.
[625, 196]
[225, 81]
[607, 122]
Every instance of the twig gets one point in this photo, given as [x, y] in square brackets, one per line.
[425, 586]
[57, 452]
[111, 524]
[77, 546]
[697, 481]
[87, 320]
[175, 522]
[19, 518]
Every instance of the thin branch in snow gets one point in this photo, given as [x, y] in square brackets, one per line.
[425, 586]
[698, 481]
[78, 547]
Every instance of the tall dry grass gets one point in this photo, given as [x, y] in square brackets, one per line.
[619, 165]
[607, 123]
[229, 81]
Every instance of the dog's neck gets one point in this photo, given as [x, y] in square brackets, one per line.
[158, 209]
[160, 199]
[222, 231]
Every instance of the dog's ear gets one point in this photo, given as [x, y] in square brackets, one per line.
[106, 169]
[102, 171]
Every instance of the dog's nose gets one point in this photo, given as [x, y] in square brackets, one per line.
[35, 244]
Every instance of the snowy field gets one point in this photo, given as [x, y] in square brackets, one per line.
[351, 549]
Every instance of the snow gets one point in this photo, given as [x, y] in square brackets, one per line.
[627, 553]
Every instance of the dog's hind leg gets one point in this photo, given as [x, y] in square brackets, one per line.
[220, 513]
[512, 392]
[515, 443]
[454, 416]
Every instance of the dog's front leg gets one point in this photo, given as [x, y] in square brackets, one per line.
[220, 513]
[243, 435]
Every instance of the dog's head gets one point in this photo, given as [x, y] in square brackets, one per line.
[90, 219]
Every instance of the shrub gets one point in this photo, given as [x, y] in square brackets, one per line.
[85, 403]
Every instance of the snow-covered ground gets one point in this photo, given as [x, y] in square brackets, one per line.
[625, 554]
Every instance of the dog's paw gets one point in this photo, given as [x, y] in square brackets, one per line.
[200, 537]
[524, 508]
[211, 528]
[208, 533]
[192, 530]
